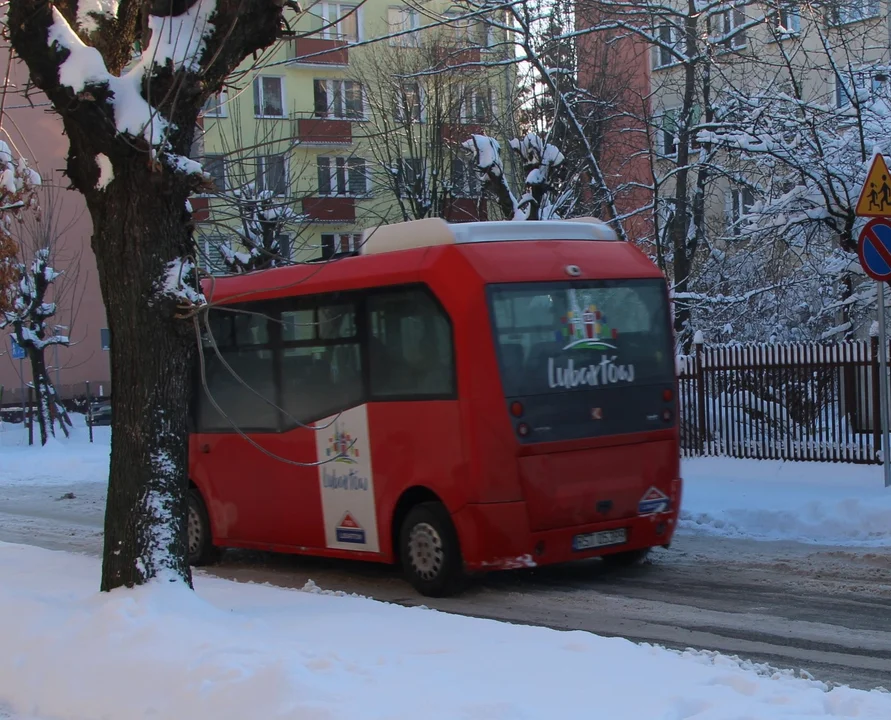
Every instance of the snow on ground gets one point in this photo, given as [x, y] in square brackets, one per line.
[822, 503]
[236, 651]
[64, 461]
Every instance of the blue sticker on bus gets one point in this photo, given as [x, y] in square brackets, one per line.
[349, 531]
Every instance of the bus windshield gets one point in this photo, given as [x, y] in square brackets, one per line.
[573, 336]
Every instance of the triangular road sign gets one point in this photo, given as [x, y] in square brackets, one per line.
[349, 522]
[875, 197]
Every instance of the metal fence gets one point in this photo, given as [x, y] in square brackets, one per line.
[784, 402]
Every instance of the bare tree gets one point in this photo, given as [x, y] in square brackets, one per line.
[18, 192]
[422, 102]
[46, 283]
[250, 222]
[131, 126]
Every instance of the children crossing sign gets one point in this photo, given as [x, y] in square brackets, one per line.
[875, 196]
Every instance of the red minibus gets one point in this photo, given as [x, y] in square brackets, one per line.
[456, 398]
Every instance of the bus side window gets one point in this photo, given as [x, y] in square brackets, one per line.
[410, 346]
[321, 367]
[245, 390]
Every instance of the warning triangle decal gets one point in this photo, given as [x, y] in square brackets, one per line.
[654, 494]
[875, 197]
[349, 522]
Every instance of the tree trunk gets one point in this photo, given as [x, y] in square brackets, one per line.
[44, 395]
[138, 230]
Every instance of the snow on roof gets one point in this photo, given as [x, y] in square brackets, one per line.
[431, 232]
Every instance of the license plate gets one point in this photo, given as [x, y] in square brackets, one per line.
[604, 538]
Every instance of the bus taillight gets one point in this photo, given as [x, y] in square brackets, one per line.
[516, 408]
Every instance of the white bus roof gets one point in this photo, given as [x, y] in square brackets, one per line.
[435, 231]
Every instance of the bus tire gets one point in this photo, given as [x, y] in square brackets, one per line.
[625, 559]
[199, 537]
[430, 552]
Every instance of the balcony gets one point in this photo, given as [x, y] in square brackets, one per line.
[324, 131]
[319, 51]
[461, 210]
[457, 56]
[458, 133]
[200, 209]
[330, 209]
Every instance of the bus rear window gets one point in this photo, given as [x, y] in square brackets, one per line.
[565, 337]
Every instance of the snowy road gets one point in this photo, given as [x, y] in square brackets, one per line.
[818, 608]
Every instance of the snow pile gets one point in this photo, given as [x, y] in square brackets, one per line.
[249, 651]
[63, 461]
[825, 503]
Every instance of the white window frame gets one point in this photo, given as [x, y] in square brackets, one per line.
[220, 109]
[660, 53]
[410, 20]
[333, 169]
[787, 19]
[214, 241]
[842, 12]
[258, 83]
[341, 11]
[661, 146]
[222, 157]
[731, 19]
[422, 97]
[735, 206]
[330, 86]
[843, 92]
[472, 94]
[353, 240]
[286, 171]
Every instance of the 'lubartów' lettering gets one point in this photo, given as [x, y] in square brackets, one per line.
[350, 481]
[605, 373]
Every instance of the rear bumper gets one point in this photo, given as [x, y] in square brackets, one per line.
[496, 536]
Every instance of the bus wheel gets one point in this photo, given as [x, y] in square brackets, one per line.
[625, 559]
[429, 551]
[202, 551]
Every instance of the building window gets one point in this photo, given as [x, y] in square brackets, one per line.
[342, 176]
[341, 21]
[404, 20]
[842, 12]
[214, 165]
[105, 338]
[272, 174]
[465, 179]
[669, 43]
[477, 106]
[739, 203]
[212, 258]
[411, 178]
[408, 103]
[215, 106]
[410, 347]
[341, 99]
[787, 20]
[728, 28]
[667, 129]
[339, 244]
[269, 98]
[861, 84]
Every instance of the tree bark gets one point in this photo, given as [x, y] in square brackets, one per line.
[140, 230]
[137, 232]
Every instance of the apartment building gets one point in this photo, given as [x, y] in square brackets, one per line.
[344, 134]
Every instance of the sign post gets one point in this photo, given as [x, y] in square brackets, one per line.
[18, 353]
[874, 249]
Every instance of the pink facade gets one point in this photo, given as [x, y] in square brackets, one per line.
[616, 65]
[36, 132]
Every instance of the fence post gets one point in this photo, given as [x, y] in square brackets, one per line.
[89, 412]
[700, 393]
